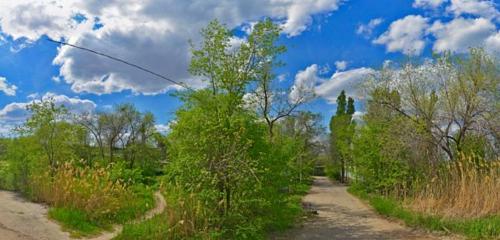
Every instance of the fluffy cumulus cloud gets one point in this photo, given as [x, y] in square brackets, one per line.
[304, 82]
[366, 30]
[31, 19]
[330, 88]
[151, 33]
[473, 24]
[432, 4]
[16, 112]
[405, 35]
[6, 88]
[460, 34]
[483, 8]
[349, 81]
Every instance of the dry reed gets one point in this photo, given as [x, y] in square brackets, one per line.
[92, 190]
[466, 188]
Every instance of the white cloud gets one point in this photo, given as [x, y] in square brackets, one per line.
[347, 80]
[358, 116]
[305, 81]
[405, 35]
[74, 105]
[33, 96]
[483, 8]
[150, 33]
[492, 44]
[366, 30]
[163, 128]
[31, 19]
[460, 34]
[16, 112]
[299, 13]
[8, 89]
[329, 88]
[341, 65]
[428, 3]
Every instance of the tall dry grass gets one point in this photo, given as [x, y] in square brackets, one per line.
[92, 190]
[466, 188]
[186, 215]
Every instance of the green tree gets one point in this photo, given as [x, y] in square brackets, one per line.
[341, 133]
[48, 125]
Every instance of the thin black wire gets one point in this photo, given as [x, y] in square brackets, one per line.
[124, 62]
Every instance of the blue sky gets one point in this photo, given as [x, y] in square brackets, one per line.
[332, 45]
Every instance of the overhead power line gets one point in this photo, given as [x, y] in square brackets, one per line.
[122, 61]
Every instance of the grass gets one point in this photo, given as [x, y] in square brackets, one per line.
[477, 228]
[79, 224]
[76, 222]
[152, 229]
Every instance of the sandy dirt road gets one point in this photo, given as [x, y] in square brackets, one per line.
[23, 220]
[342, 216]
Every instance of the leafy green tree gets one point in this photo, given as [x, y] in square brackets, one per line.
[212, 128]
[341, 133]
[48, 125]
[381, 156]
[218, 148]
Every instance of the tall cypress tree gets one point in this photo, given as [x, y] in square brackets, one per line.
[341, 132]
[341, 104]
[350, 106]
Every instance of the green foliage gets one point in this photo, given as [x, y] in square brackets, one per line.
[429, 140]
[220, 159]
[227, 175]
[220, 155]
[341, 103]
[87, 195]
[341, 133]
[24, 159]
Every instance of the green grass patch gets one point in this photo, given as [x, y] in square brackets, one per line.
[152, 229]
[76, 222]
[479, 228]
[141, 202]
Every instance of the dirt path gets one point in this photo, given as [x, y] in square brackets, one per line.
[23, 220]
[342, 216]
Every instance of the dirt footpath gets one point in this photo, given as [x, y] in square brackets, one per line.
[342, 216]
[23, 220]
